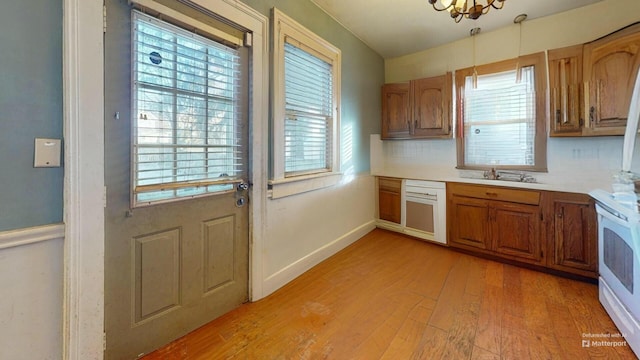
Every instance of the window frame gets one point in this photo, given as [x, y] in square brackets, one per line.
[226, 184]
[536, 60]
[287, 30]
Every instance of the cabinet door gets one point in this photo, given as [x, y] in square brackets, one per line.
[395, 111]
[469, 223]
[515, 230]
[574, 235]
[389, 191]
[610, 68]
[431, 106]
[565, 77]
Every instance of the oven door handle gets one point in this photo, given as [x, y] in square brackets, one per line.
[612, 211]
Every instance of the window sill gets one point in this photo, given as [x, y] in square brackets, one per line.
[292, 186]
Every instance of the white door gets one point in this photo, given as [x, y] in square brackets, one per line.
[176, 254]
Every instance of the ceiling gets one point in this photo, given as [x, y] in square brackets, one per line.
[398, 27]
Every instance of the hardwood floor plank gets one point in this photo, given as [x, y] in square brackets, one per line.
[429, 277]
[482, 354]
[513, 302]
[494, 274]
[542, 344]
[515, 338]
[564, 330]
[489, 326]
[477, 277]
[391, 296]
[461, 335]
[581, 300]
[432, 345]
[377, 343]
[451, 294]
[409, 336]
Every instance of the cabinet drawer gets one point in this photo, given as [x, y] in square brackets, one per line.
[390, 184]
[530, 197]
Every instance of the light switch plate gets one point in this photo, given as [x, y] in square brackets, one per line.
[47, 153]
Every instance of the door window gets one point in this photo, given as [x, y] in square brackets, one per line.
[186, 114]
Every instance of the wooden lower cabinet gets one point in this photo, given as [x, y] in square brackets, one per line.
[515, 230]
[501, 227]
[554, 230]
[389, 197]
[471, 229]
[572, 233]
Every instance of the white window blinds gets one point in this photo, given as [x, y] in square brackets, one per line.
[308, 122]
[500, 119]
[187, 136]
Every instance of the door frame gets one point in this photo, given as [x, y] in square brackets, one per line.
[84, 192]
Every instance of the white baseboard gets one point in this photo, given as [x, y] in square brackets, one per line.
[282, 277]
[387, 225]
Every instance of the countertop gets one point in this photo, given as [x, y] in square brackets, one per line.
[475, 177]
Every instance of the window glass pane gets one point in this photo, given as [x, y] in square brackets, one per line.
[186, 106]
[500, 119]
[308, 108]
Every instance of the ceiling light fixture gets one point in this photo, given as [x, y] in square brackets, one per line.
[471, 9]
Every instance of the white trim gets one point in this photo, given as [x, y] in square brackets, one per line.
[294, 186]
[83, 67]
[287, 30]
[258, 24]
[282, 277]
[84, 165]
[167, 11]
[13, 238]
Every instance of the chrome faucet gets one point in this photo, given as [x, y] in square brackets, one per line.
[491, 174]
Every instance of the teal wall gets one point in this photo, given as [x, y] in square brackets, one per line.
[362, 78]
[31, 100]
[30, 107]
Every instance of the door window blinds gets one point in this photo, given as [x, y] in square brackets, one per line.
[308, 122]
[500, 119]
[186, 116]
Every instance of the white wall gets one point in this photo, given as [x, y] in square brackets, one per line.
[574, 164]
[568, 28]
[31, 273]
[302, 230]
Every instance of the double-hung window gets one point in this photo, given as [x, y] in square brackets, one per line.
[502, 115]
[306, 103]
[187, 120]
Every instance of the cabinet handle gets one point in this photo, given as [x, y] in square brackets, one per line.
[491, 194]
[559, 215]
[558, 115]
[592, 113]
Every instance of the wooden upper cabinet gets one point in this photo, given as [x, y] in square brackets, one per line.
[610, 69]
[419, 109]
[431, 105]
[395, 111]
[566, 91]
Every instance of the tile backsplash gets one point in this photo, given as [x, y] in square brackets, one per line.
[580, 164]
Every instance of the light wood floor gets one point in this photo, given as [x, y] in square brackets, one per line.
[392, 297]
